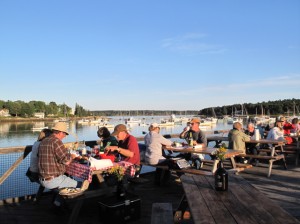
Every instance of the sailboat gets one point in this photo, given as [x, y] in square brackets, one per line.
[264, 119]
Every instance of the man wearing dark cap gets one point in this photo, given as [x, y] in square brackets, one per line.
[128, 146]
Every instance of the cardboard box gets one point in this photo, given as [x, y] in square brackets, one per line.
[115, 210]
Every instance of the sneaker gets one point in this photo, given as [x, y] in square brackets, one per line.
[85, 185]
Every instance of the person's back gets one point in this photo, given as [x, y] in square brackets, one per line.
[237, 138]
[34, 167]
[154, 142]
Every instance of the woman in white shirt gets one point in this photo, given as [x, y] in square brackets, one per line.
[276, 133]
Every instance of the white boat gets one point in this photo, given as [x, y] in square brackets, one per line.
[83, 121]
[264, 119]
[205, 122]
[237, 119]
[143, 124]
[176, 120]
[213, 120]
[107, 125]
[39, 128]
[132, 120]
[229, 120]
[164, 123]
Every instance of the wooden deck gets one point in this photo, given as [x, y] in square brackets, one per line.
[282, 188]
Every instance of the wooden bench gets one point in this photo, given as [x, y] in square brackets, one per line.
[271, 159]
[162, 213]
[166, 168]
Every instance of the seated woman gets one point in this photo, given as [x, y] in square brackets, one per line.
[33, 170]
[154, 142]
[277, 132]
[105, 137]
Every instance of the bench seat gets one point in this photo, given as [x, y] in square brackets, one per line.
[271, 159]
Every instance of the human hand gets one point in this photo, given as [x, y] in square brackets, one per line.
[111, 149]
[187, 128]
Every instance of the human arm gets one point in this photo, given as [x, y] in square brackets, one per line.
[183, 134]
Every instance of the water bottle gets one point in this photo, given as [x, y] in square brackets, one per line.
[256, 134]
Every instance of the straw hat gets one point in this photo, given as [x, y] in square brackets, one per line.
[61, 126]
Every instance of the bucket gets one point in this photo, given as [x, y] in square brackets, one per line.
[105, 156]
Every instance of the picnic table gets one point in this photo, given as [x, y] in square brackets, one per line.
[241, 203]
[230, 154]
[269, 154]
[85, 172]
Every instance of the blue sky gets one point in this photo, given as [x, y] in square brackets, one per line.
[156, 55]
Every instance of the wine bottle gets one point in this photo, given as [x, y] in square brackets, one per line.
[221, 178]
[191, 140]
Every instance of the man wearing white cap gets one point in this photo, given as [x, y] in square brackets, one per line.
[53, 158]
[154, 142]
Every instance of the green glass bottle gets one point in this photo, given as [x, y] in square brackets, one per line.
[191, 140]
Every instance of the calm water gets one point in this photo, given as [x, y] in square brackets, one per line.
[20, 134]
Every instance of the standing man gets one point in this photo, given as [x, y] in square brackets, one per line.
[53, 159]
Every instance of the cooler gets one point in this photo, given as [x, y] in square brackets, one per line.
[115, 210]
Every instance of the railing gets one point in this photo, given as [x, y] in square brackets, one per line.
[25, 150]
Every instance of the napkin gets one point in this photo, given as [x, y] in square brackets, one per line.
[99, 164]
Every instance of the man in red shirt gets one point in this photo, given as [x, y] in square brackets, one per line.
[127, 147]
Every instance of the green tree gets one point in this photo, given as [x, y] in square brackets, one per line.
[14, 107]
[52, 108]
[27, 110]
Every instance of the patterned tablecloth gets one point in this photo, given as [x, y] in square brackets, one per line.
[85, 172]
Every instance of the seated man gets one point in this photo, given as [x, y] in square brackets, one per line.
[237, 138]
[251, 148]
[197, 136]
[127, 147]
[53, 159]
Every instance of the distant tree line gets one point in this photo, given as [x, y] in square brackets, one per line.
[278, 107]
[23, 109]
[144, 112]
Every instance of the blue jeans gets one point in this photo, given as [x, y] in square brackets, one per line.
[61, 181]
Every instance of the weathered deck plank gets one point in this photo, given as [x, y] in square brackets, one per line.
[282, 188]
